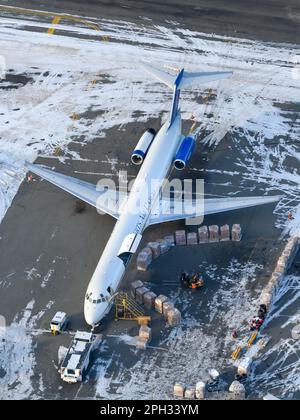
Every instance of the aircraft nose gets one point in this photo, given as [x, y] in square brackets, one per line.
[90, 315]
[93, 314]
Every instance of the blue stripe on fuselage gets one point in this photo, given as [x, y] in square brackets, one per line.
[176, 96]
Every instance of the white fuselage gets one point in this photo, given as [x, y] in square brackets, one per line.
[110, 269]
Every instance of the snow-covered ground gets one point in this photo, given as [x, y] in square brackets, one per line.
[17, 358]
[68, 76]
[71, 76]
[278, 370]
[189, 351]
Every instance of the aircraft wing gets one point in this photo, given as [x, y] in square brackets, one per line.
[104, 200]
[170, 213]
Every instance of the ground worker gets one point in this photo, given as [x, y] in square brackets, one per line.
[235, 334]
[262, 312]
[290, 215]
[192, 282]
[184, 279]
[256, 323]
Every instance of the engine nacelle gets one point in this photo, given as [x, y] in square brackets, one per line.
[184, 153]
[143, 146]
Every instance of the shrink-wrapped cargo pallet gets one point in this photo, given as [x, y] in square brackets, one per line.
[180, 237]
[155, 248]
[135, 285]
[145, 333]
[149, 300]
[225, 233]
[238, 390]
[282, 264]
[167, 306]
[266, 296]
[200, 390]
[203, 234]
[159, 302]
[141, 343]
[190, 393]
[164, 246]
[214, 235]
[178, 390]
[144, 259]
[139, 294]
[236, 233]
[192, 238]
[170, 240]
[275, 279]
[174, 317]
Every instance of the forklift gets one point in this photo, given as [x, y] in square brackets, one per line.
[194, 281]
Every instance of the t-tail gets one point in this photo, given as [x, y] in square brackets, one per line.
[183, 80]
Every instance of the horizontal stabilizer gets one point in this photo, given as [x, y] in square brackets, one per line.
[188, 79]
[160, 75]
[195, 79]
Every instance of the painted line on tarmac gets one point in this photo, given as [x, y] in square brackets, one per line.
[55, 22]
[60, 16]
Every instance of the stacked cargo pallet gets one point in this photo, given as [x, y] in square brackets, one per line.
[283, 264]
[144, 259]
[236, 392]
[224, 233]
[236, 233]
[180, 237]
[214, 234]
[256, 341]
[160, 304]
[144, 337]
[204, 235]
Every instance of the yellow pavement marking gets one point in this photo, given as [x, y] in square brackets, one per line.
[55, 21]
[72, 18]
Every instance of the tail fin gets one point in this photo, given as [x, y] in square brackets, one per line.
[183, 80]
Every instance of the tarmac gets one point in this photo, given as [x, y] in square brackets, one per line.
[270, 20]
[44, 237]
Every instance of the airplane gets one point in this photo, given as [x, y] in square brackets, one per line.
[156, 154]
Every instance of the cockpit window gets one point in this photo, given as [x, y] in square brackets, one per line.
[102, 299]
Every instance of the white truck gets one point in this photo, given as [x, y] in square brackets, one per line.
[77, 359]
[58, 323]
